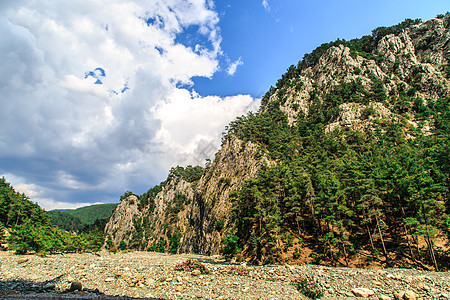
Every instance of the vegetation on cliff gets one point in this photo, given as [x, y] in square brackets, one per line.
[358, 137]
[383, 188]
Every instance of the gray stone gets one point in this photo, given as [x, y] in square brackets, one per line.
[49, 286]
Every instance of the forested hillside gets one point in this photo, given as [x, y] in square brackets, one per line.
[31, 230]
[346, 163]
[77, 219]
[364, 168]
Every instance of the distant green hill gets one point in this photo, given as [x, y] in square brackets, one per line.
[77, 219]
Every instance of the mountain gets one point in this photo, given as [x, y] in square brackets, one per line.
[346, 163]
[77, 219]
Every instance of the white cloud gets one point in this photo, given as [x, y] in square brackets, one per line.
[233, 66]
[266, 5]
[89, 99]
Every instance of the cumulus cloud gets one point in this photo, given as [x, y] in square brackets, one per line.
[266, 5]
[90, 98]
[233, 66]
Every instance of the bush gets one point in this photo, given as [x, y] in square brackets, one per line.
[191, 265]
[307, 287]
[231, 245]
[219, 224]
[28, 237]
[122, 245]
[159, 247]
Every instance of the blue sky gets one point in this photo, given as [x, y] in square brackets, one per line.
[97, 98]
[270, 40]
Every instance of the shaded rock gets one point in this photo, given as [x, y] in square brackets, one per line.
[409, 295]
[49, 286]
[75, 286]
[399, 295]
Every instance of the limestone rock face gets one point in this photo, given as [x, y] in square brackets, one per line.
[183, 215]
[189, 216]
[424, 47]
[120, 225]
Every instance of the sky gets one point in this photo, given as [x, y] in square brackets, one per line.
[102, 97]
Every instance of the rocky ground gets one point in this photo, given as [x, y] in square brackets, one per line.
[152, 275]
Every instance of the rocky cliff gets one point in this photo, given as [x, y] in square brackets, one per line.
[188, 216]
[388, 88]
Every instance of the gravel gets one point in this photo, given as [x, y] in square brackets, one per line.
[150, 275]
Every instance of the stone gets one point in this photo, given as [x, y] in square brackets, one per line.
[384, 297]
[362, 292]
[196, 272]
[109, 279]
[76, 286]
[178, 289]
[409, 295]
[49, 286]
[139, 276]
[22, 260]
[399, 295]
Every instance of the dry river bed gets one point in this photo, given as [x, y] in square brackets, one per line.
[152, 275]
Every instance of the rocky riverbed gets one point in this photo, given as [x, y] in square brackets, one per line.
[152, 275]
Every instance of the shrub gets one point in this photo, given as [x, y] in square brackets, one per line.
[231, 243]
[219, 224]
[307, 287]
[123, 245]
[191, 265]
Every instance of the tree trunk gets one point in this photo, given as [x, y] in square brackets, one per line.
[429, 242]
[370, 237]
[407, 237]
[345, 252]
[382, 241]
